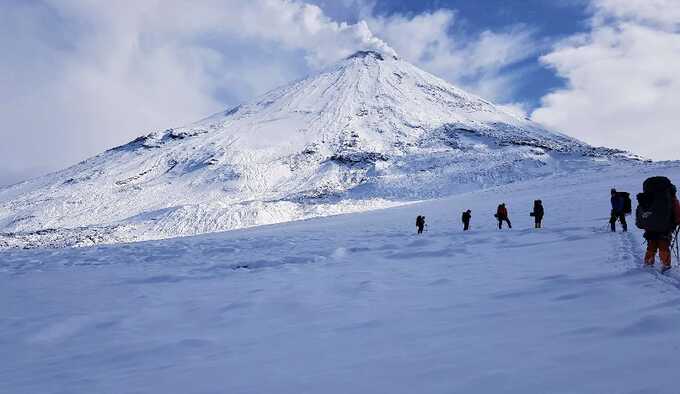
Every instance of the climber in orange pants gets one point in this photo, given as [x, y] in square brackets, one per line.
[663, 245]
[658, 213]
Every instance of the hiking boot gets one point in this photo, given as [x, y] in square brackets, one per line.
[665, 268]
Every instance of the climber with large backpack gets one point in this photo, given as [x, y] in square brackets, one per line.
[658, 213]
[621, 206]
[502, 216]
[467, 215]
[538, 213]
[420, 224]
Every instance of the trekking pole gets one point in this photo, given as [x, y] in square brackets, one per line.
[675, 246]
[674, 243]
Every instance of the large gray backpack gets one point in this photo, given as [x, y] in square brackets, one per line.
[655, 205]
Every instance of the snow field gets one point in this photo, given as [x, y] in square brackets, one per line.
[357, 303]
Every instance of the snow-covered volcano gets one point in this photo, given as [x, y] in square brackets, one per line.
[371, 131]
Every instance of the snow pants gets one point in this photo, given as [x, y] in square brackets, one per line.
[664, 248]
[466, 226]
[501, 220]
[420, 229]
[538, 221]
[620, 217]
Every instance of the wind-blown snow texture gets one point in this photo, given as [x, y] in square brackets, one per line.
[357, 304]
[372, 131]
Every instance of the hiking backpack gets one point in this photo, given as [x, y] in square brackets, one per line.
[655, 205]
[627, 203]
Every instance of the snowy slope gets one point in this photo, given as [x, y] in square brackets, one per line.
[372, 131]
[357, 304]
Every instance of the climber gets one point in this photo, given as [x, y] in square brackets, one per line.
[621, 206]
[658, 213]
[467, 215]
[538, 213]
[502, 216]
[420, 224]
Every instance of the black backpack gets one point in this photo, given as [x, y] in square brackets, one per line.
[655, 205]
[627, 203]
[538, 209]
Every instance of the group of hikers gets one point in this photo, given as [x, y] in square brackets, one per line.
[501, 216]
[657, 213]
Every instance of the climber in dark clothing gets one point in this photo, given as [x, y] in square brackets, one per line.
[420, 223]
[538, 213]
[618, 211]
[502, 216]
[467, 215]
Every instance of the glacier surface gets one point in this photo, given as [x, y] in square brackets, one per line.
[357, 303]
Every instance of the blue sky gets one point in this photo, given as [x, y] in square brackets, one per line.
[551, 21]
[80, 77]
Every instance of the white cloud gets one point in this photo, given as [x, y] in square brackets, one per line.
[660, 13]
[476, 62]
[623, 80]
[81, 76]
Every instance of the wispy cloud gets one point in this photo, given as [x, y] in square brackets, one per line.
[80, 76]
[478, 62]
[623, 83]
